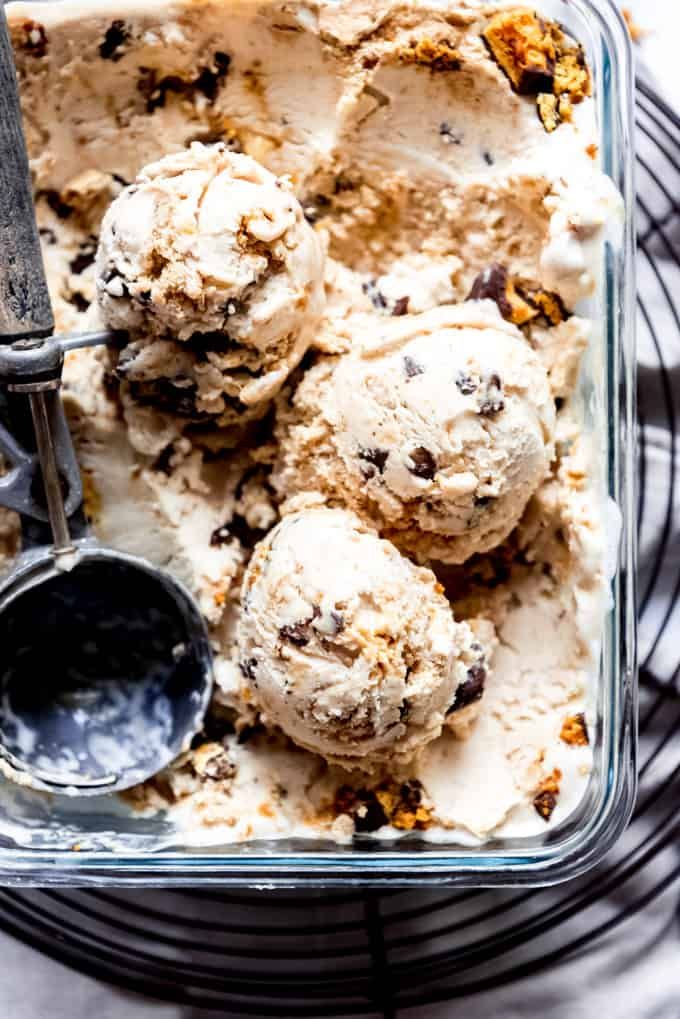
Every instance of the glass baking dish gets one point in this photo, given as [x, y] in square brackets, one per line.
[562, 852]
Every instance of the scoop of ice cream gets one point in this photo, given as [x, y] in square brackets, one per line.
[437, 430]
[346, 645]
[208, 263]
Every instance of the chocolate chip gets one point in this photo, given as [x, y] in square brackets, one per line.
[480, 501]
[491, 284]
[216, 342]
[374, 816]
[400, 306]
[492, 401]
[465, 383]
[220, 536]
[471, 689]
[248, 667]
[559, 403]
[449, 136]
[423, 463]
[411, 793]
[210, 78]
[162, 461]
[377, 299]
[377, 458]
[35, 38]
[341, 184]
[412, 367]
[48, 235]
[79, 301]
[155, 89]
[85, 257]
[115, 38]
[295, 633]
[488, 158]
[313, 207]
[544, 804]
[239, 528]
[56, 204]
[166, 395]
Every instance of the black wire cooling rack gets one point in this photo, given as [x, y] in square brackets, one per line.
[373, 953]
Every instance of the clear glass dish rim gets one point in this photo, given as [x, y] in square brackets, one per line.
[545, 865]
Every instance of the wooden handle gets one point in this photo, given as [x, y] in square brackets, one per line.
[25, 308]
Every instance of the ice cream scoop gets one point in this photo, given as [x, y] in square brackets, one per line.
[106, 665]
[348, 646]
[436, 428]
[207, 263]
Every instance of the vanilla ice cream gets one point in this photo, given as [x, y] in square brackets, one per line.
[437, 428]
[210, 267]
[346, 645]
[347, 249]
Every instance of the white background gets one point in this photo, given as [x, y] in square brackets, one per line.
[33, 987]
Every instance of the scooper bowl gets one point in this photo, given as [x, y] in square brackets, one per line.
[106, 671]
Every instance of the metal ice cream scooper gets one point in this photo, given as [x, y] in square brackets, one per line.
[105, 661]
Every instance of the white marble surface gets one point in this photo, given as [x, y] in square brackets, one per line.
[608, 981]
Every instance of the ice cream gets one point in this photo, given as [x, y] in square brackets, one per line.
[208, 265]
[347, 646]
[445, 157]
[437, 428]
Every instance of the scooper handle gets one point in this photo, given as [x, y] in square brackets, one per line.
[25, 309]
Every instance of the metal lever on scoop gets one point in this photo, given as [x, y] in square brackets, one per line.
[31, 364]
[40, 377]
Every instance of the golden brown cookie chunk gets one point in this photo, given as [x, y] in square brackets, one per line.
[575, 731]
[494, 284]
[545, 799]
[516, 301]
[549, 305]
[523, 46]
[546, 103]
[539, 60]
[571, 74]
[395, 803]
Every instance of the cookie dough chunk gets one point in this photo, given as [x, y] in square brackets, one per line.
[207, 263]
[539, 59]
[523, 47]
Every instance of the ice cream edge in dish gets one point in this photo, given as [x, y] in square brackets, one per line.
[352, 253]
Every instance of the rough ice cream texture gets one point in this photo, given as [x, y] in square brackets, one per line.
[208, 263]
[437, 428]
[346, 645]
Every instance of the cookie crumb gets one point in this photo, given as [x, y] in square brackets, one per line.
[575, 730]
[545, 799]
[437, 55]
[635, 31]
